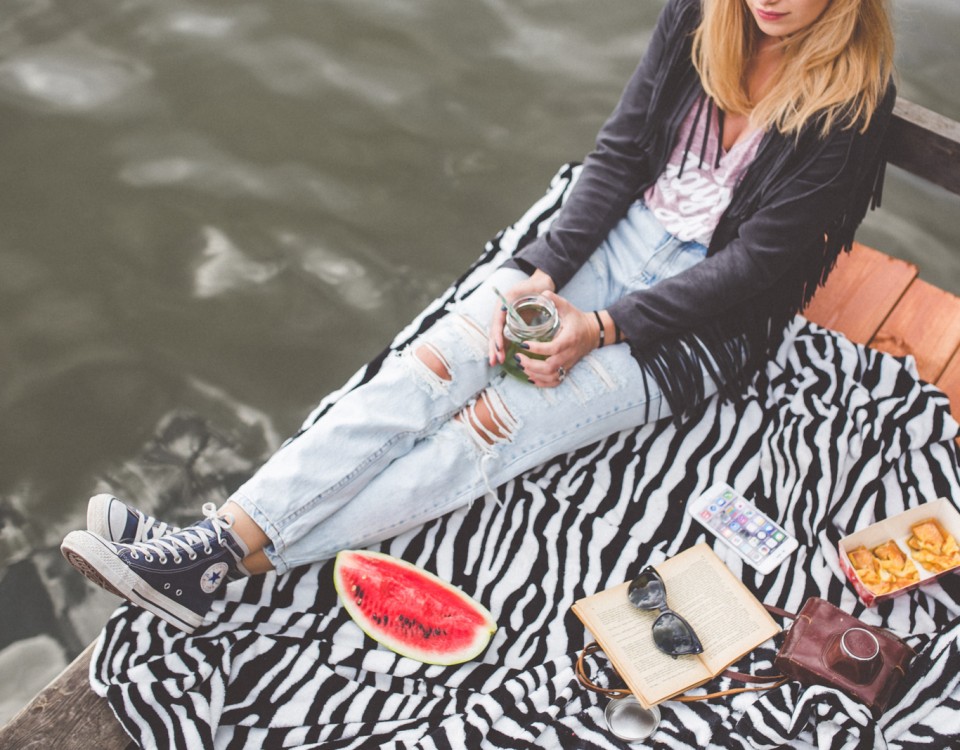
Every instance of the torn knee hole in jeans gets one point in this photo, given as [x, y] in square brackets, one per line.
[431, 356]
[488, 419]
[434, 360]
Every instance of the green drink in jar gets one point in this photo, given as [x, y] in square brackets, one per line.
[537, 320]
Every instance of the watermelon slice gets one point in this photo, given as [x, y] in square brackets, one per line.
[409, 610]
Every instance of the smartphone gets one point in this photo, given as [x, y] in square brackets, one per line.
[758, 539]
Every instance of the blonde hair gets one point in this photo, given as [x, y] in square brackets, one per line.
[837, 68]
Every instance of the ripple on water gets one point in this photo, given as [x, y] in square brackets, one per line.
[349, 279]
[303, 69]
[225, 267]
[185, 160]
[71, 76]
[185, 21]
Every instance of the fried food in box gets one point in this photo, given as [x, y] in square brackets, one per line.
[885, 568]
[862, 559]
[932, 547]
[890, 553]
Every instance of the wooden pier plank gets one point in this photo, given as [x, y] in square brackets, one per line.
[926, 324]
[67, 715]
[860, 293]
[949, 383]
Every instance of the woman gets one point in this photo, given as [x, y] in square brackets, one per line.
[741, 158]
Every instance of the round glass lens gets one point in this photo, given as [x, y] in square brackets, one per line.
[674, 636]
[646, 591]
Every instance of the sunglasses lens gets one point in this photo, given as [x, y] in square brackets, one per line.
[673, 635]
[646, 591]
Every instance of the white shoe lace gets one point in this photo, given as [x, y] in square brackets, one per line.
[185, 539]
[162, 527]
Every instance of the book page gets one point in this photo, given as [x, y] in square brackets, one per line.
[726, 616]
[626, 635]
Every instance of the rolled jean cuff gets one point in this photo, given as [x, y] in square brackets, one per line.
[272, 551]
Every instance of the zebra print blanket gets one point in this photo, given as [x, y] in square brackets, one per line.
[836, 434]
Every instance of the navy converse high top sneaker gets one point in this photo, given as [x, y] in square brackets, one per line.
[176, 576]
[115, 521]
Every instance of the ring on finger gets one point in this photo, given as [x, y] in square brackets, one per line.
[561, 373]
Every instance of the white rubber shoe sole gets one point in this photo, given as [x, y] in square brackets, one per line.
[91, 555]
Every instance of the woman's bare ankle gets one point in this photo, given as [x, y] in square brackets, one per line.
[247, 529]
[257, 563]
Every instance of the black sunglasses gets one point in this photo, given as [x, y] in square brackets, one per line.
[672, 634]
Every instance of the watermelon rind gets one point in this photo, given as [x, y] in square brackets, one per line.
[476, 624]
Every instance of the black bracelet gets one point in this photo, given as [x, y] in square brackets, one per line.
[599, 323]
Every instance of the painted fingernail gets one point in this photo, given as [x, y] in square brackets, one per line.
[503, 308]
[524, 345]
[529, 380]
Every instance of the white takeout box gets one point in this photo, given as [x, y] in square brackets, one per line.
[898, 528]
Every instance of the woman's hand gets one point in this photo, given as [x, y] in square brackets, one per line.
[578, 336]
[539, 282]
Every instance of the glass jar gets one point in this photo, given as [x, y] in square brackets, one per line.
[629, 720]
[541, 322]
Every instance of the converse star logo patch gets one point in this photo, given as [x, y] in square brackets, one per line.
[213, 576]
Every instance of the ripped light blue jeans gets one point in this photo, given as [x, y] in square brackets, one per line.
[405, 447]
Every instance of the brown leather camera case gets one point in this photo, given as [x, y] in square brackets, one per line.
[810, 641]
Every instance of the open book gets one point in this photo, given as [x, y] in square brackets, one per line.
[726, 616]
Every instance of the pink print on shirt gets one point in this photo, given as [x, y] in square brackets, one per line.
[690, 205]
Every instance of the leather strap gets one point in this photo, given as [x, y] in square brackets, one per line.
[747, 677]
[720, 693]
[780, 612]
[592, 648]
[767, 681]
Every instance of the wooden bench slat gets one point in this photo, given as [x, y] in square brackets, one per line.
[926, 324]
[925, 143]
[860, 293]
